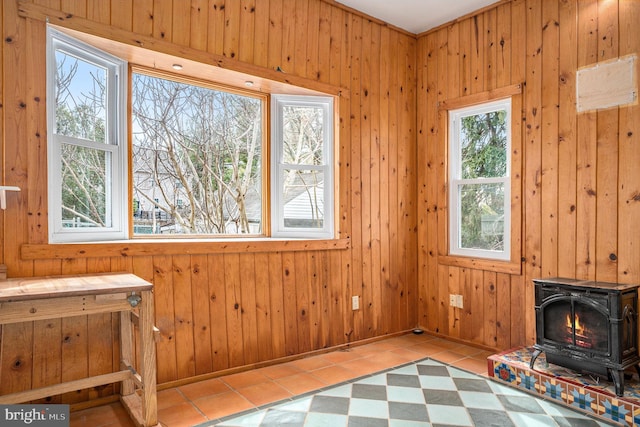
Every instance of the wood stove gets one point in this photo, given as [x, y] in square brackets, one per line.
[587, 326]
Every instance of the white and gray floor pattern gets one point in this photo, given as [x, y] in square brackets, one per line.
[426, 393]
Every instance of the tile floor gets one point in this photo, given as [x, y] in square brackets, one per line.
[217, 398]
[426, 393]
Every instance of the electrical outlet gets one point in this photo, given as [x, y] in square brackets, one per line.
[455, 300]
[355, 302]
[452, 300]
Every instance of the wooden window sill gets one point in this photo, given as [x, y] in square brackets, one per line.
[175, 247]
[497, 266]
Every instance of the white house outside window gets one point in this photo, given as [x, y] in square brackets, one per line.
[480, 183]
[302, 166]
[197, 157]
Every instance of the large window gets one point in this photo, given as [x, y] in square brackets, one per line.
[87, 150]
[480, 183]
[197, 157]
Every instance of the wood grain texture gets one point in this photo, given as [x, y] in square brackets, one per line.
[220, 299]
[574, 170]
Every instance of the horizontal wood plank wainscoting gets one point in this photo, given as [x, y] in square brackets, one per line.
[45, 299]
[225, 305]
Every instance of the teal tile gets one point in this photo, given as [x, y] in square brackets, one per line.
[326, 420]
[380, 379]
[502, 389]
[369, 408]
[556, 410]
[406, 370]
[444, 414]
[459, 373]
[300, 405]
[252, 419]
[437, 383]
[277, 418]
[532, 420]
[405, 394]
[405, 423]
[472, 399]
[340, 391]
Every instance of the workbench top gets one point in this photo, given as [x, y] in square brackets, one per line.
[28, 288]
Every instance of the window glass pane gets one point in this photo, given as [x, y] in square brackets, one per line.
[84, 187]
[81, 104]
[483, 144]
[482, 216]
[196, 159]
[302, 135]
[303, 199]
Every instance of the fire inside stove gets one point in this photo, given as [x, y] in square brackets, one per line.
[581, 333]
[576, 326]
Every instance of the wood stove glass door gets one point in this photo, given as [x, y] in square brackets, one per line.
[568, 322]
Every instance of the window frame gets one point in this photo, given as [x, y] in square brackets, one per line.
[122, 195]
[456, 182]
[115, 142]
[515, 264]
[264, 162]
[278, 167]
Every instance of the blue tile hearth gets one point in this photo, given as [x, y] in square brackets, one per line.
[590, 394]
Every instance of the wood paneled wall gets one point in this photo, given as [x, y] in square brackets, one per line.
[579, 176]
[579, 172]
[223, 310]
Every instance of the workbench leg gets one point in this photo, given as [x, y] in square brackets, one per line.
[127, 353]
[148, 360]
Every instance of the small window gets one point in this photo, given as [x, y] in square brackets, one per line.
[302, 167]
[86, 147]
[480, 183]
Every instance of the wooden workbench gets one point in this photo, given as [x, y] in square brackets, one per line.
[38, 298]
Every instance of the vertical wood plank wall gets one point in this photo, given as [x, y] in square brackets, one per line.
[219, 311]
[580, 174]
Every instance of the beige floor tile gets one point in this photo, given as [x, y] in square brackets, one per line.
[223, 404]
[364, 366]
[263, 393]
[204, 388]
[245, 379]
[170, 397]
[389, 358]
[334, 374]
[448, 356]
[341, 356]
[301, 383]
[280, 371]
[311, 363]
[183, 415]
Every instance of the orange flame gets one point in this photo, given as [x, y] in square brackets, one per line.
[578, 327]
